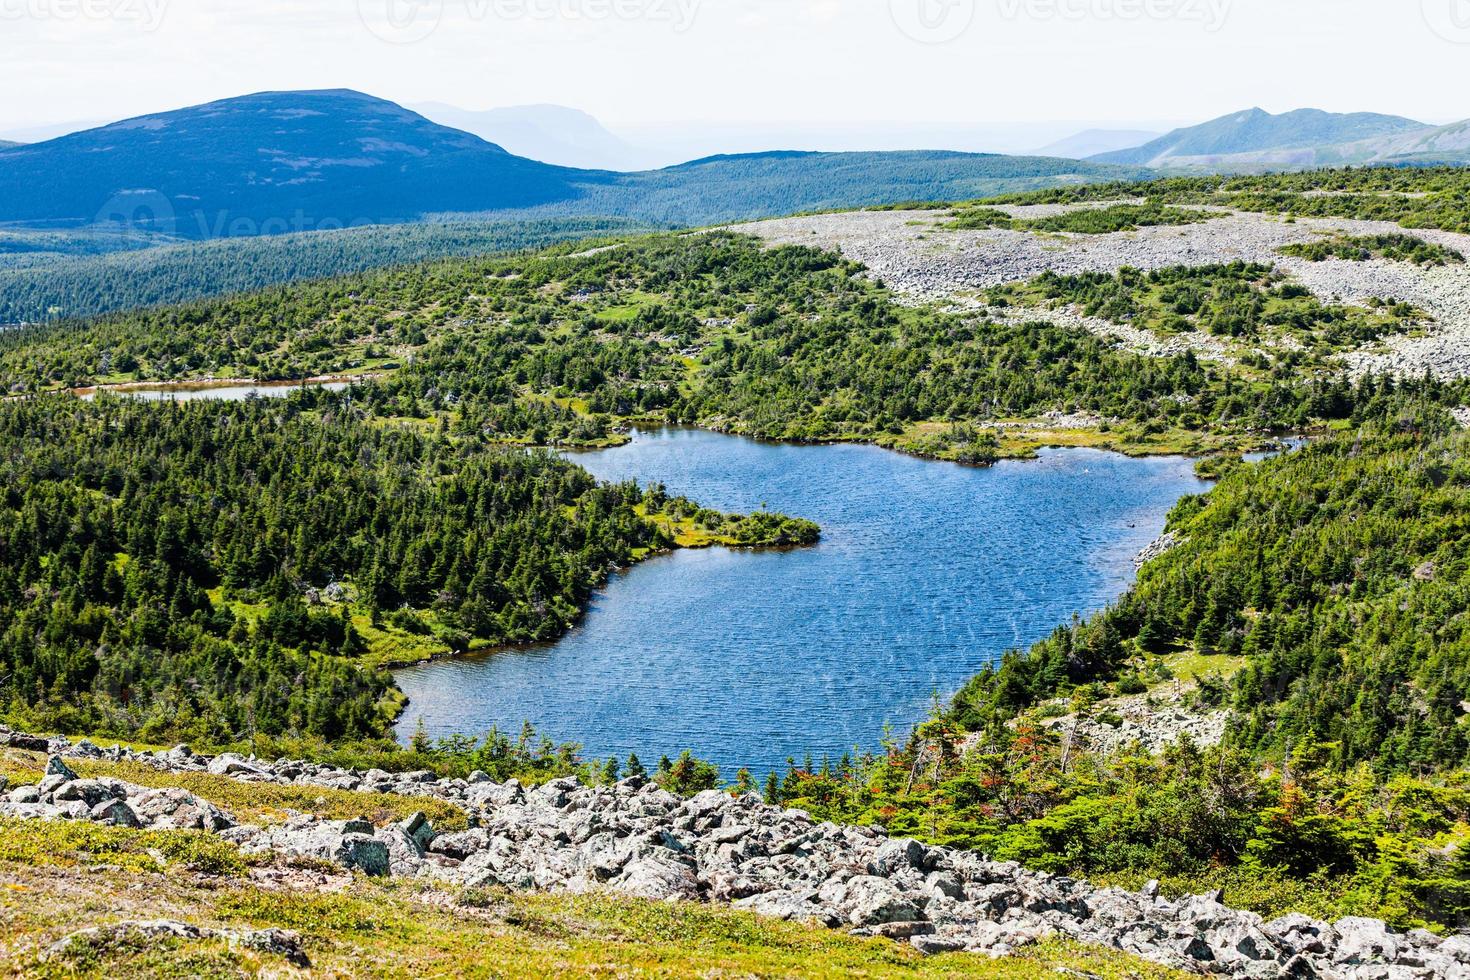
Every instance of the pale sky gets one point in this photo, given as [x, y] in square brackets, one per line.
[631, 62]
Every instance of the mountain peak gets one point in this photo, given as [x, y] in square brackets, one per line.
[1256, 131]
[287, 160]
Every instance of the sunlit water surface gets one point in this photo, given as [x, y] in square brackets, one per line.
[926, 573]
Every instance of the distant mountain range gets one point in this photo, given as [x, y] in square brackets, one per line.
[549, 133]
[1257, 140]
[7, 144]
[1095, 141]
[299, 161]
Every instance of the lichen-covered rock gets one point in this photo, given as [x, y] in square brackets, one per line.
[56, 766]
[660, 878]
[177, 809]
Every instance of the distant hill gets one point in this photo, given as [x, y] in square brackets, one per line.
[1094, 141]
[549, 133]
[35, 286]
[1291, 138]
[277, 162]
[1433, 144]
[757, 185]
[7, 144]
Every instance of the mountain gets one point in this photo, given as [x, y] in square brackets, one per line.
[1433, 144]
[1291, 138]
[7, 144]
[758, 185]
[273, 161]
[549, 133]
[276, 162]
[1095, 141]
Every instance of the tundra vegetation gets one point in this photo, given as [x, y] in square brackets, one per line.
[1084, 221]
[1239, 300]
[1414, 197]
[1361, 248]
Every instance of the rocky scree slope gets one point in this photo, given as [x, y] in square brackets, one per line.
[637, 839]
[922, 261]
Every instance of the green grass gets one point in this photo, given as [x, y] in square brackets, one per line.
[397, 930]
[1188, 666]
[78, 844]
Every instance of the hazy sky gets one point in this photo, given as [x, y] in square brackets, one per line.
[776, 61]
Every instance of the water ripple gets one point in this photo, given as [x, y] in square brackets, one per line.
[926, 573]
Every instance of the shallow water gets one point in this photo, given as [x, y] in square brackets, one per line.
[926, 573]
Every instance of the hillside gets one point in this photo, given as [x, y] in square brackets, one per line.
[41, 285]
[278, 162]
[274, 161]
[1092, 142]
[621, 841]
[1289, 138]
[733, 188]
[1448, 144]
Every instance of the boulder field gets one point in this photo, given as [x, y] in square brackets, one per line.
[637, 839]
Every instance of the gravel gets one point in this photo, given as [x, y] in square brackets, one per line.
[922, 262]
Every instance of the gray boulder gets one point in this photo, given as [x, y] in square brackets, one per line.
[867, 900]
[461, 844]
[1364, 942]
[177, 809]
[360, 852]
[897, 855]
[659, 878]
[115, 812]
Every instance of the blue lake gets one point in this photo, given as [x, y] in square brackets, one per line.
[926, 573]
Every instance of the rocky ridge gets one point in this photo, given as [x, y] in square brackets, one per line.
[637, 839]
